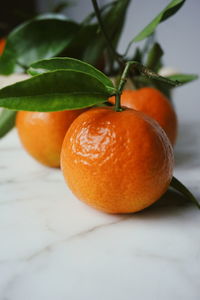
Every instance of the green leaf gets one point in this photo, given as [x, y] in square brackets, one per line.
[63, 5]
[7, 121]
[167, 12]
[178, 186]
[114, 20]
[55, 91]
[148, 73]
[89, 44]
[148, 44]
[67, 63]
[80, 42]
[89, 18]
[42, 37]
[137, 55]
[154, 56]
[183, 78]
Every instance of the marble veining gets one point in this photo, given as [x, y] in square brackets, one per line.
[54, 247]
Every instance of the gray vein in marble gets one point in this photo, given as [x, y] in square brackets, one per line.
[9, 286]
[35, 176]
[8, 202]
[143, 254]
[8, 181]
[50, 247]
[180, 270]
[81, 234]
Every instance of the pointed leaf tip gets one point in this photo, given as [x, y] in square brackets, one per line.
[181, 188]
[7, 121]
[167, 12]
[55, 91]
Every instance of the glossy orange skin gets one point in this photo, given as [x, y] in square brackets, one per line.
[117, 162]
[2, 45]
[153, 103]
[42, 133]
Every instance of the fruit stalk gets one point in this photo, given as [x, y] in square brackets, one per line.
[122, 82]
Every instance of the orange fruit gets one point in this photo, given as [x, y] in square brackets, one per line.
[2, 45]
[42, 133]
[117, 162]
[153, 103]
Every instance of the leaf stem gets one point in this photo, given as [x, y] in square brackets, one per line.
[89, 18]
[124, 76]
[25, 68]
[136, 69]
[118, 107]
[128, 48]
[117, 56]
[120, 87]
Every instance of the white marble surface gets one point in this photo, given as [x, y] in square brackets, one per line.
[54, 247]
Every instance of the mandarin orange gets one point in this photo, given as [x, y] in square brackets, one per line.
[42, 133]
[2, 45]
[153, 103]
[117, 162]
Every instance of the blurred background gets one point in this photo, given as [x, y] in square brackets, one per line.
[178, 36]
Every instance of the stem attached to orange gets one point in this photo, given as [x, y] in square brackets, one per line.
[139, 68]
[121, 86]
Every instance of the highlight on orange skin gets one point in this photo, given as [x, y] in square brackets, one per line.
[153, 103]
[42, 133]
[2, 45]
[116, 162]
